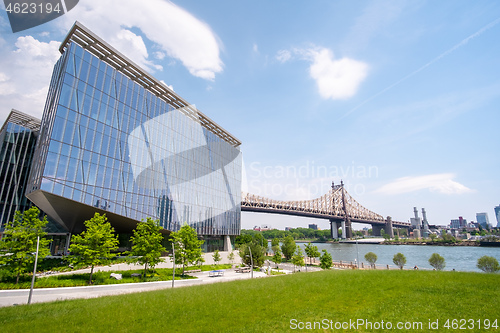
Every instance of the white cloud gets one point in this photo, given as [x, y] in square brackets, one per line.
[283, 56]
[168, 86]
[159, 55]
[174, 30]
[336, 79]
[255, 48]
[26, 74]
[442, 183]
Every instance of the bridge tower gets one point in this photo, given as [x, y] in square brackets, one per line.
[345, 223]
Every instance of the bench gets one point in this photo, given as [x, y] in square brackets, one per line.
[193, 271]
[245, 269]
[215, 273]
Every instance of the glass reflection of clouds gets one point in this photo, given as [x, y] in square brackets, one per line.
[174, 153]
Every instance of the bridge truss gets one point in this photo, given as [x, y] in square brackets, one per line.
[337, 205]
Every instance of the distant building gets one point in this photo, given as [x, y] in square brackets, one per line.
[288, 228]
[416, 222]
[458, 224]
[497, 214]
[313, 226]
[482, 219]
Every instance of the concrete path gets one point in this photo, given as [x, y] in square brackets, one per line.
[17, 297]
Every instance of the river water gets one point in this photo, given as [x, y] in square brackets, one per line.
[460, 258]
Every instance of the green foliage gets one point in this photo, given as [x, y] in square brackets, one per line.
[258, 253]
[371, 258]
[147, 244]
[288, 247]
[311, 251]
[243, 238]
[187, 246]
[230, 257]
[19, 241]
[488, 264]
[276, 258]
[216, 257]
[296, 233]
[298, 257]
[399, 260]
[94, 245]
[325, 260]
[437, 261]
[275, 242]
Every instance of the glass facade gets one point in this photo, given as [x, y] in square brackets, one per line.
[17, 138]
[109, 143]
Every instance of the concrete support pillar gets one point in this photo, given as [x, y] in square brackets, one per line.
[334, 229]
[66, 246]
[376, 230]
[344, 231]
[388, 227]
[348, 229]
[227, 244]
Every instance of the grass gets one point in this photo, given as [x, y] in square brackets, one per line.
[269, 304]
[101, 278]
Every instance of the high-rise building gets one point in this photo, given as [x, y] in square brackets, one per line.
[458, 223]
[497, 214]
[115, 140]
[482, 219]
[17, 143]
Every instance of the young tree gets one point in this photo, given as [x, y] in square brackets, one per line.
[93, 246]
[147, 247]
[399, 260]
[325, 260]
[258, 253]
[275, 242]
[216, 257]
[371, 258]
[437, 261]
[187, 246]
[488, 264]
[19, 241]
[288, 247]
[277, 255]
[230, 256]
[311, 251]
[298, 257]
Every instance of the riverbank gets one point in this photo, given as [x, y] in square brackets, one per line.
[436, 243]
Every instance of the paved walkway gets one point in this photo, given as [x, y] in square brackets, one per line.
[17, 297]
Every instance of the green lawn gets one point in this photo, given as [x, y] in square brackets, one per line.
[270, 304]
[101, 278]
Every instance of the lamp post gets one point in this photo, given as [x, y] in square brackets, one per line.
[34, 269]
[173, 264]
[357, 250]
[251, 262]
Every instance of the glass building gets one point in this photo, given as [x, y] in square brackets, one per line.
[115, 140]
[17, 139]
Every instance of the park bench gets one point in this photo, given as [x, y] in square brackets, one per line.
[215, 273]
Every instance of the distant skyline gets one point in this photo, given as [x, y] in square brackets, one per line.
[399, 99]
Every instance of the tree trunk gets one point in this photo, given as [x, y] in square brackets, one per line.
[145, 270]
[91, 272]
[17, 277]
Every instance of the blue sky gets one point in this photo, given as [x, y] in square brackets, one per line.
[399, 99]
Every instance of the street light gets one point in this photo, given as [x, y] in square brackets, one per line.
[34, 270]
[357, 251]
[173, 264]
[251, 261]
